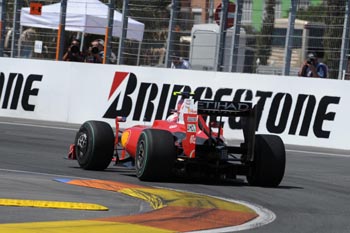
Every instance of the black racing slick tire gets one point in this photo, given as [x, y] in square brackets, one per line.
[155, 155]
[267, 169]
[94, 145]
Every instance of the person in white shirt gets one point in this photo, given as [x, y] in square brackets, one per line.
[179, 63]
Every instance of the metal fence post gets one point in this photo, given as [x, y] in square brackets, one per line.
[289, 40]
[222, 35]
[61, 31]
[169, 43]
[109, 32]
[124, 31]
[344, 51]
[16, 27]
[211, 11]
[236, 36]
[2, 26]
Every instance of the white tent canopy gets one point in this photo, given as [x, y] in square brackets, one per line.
[87, 16]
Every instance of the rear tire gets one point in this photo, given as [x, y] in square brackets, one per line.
[269, 163]
[155, 155]
[94, 145]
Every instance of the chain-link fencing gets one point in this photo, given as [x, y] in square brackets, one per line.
[249, 36]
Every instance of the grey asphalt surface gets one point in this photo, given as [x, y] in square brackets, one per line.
[314, 195]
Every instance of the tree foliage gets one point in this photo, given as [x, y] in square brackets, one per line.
[312, 13]
[333, 35]
[264, 39]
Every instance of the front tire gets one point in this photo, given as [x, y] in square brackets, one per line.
[94, 145]
[155, 155]
[269, 163]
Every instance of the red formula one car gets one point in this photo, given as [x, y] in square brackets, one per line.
[189, 143]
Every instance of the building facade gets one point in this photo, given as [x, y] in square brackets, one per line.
[253, 10]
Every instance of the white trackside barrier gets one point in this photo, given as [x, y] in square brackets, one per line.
[303, 111]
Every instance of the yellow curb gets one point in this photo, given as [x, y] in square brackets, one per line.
[159, 198]
[51, 204]
[78, 226]
[154, 200]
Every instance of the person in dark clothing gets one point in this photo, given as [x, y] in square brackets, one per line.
[73, 53]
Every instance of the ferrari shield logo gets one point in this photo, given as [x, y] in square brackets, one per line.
[191, 128]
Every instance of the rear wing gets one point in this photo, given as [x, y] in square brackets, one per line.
[223, 108]
[245, 110]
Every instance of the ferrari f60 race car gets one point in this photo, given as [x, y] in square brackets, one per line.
[189, 143]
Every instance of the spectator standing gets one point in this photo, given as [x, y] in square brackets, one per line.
[179, 63]
[73, 53]
[313, 68]
[27, 39]
[95, 52]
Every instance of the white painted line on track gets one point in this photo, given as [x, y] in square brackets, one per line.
[46, 174]
[265, 217]
[319, 153]
[38, 126]
[76, 128]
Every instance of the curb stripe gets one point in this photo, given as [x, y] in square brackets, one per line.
[183, 219]
[78, 226]
[52, 204]
[155, 201]
[176, 210]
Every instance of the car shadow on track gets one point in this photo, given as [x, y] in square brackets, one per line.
[238, 182]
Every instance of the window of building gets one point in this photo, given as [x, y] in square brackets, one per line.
[197, 15]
